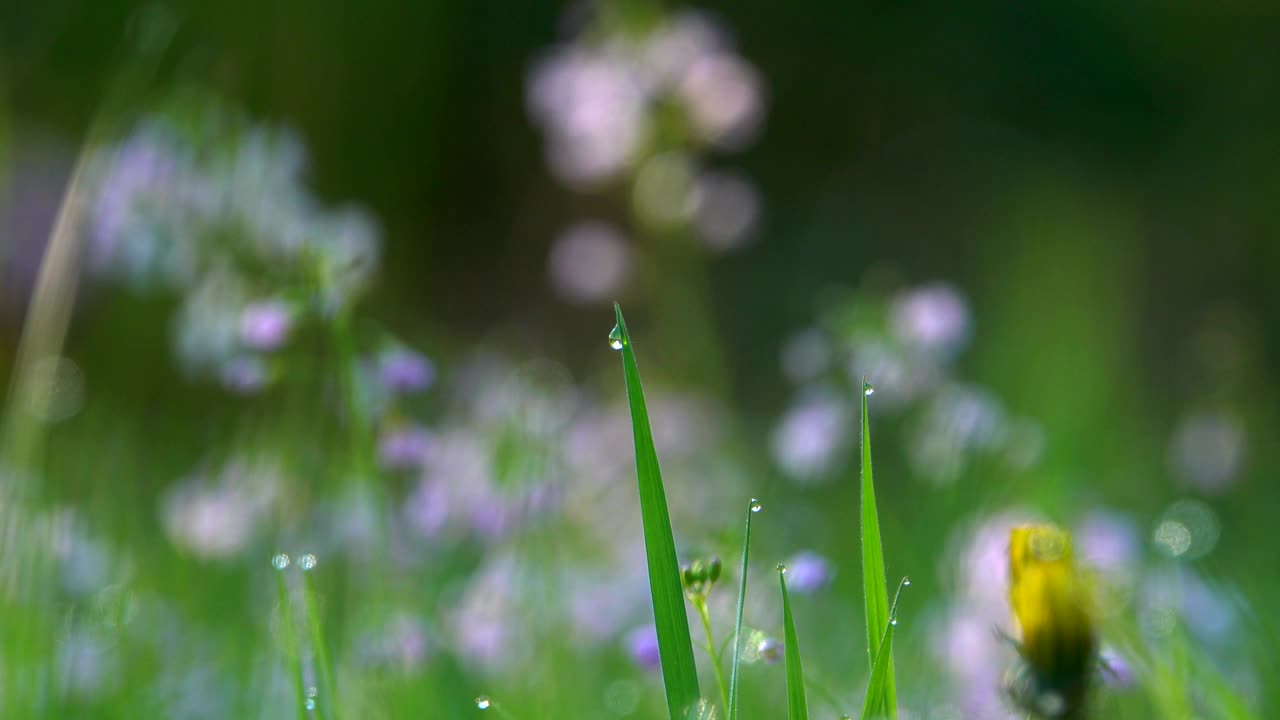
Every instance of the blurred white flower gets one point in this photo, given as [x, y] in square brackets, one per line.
[806, 355]
[591, 103]
[85, 663]
[728, 209]
[589, 262]
[724, 96]
[216, 518]
[1207, 450]
[671, 49]
[485, 621]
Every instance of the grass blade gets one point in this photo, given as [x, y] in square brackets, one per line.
[752, 508]
[797, 706]
[675, 648]
[319, 648]
[875, 594]
[288, 633]
[877, 702]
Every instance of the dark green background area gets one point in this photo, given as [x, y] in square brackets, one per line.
[1099, 178]
[897, 133]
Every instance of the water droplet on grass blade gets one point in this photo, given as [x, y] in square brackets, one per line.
[756, 505]
[906, 581]
[483, 702]
[280, 561]
[782, 568]
[867, 389]
[615, 337]
[307, 562]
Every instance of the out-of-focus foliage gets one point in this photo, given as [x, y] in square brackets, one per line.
[342, 293]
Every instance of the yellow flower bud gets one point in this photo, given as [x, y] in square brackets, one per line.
[1051, 602]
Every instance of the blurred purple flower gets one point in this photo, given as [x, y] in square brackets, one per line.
[642, 647]
[265, 325]
[1109, 542]
[1117, 673]
[931, 318]
[487, 622]
[807, 572]
[147, 162]
[810, 436]
[1207, 611]
[401, 643]
[427, 508]
[405, 448]
[769, 650]
[244, 375]
[404, 371]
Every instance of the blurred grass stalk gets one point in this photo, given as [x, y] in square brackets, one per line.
[29, 686]
[44, 332]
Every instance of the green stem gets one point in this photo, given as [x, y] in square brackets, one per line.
[292, 650]
[701, 604]
[357, 423]
[318, 645]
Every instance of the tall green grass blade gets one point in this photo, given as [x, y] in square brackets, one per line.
[675, 647]
[877, 702]
[288, 633]
[797, 706]
[875, 593]
[752, 508]
[319, 648]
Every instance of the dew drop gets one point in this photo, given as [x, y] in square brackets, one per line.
[782, 568]
[310, 704]
[615, 338]
[906, 581]
[483, 702]
[867, 389]
[307, 562]
[280, 561]
[893, 621]
[755, 505]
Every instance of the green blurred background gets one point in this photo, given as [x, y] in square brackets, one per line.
[1096, 179]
